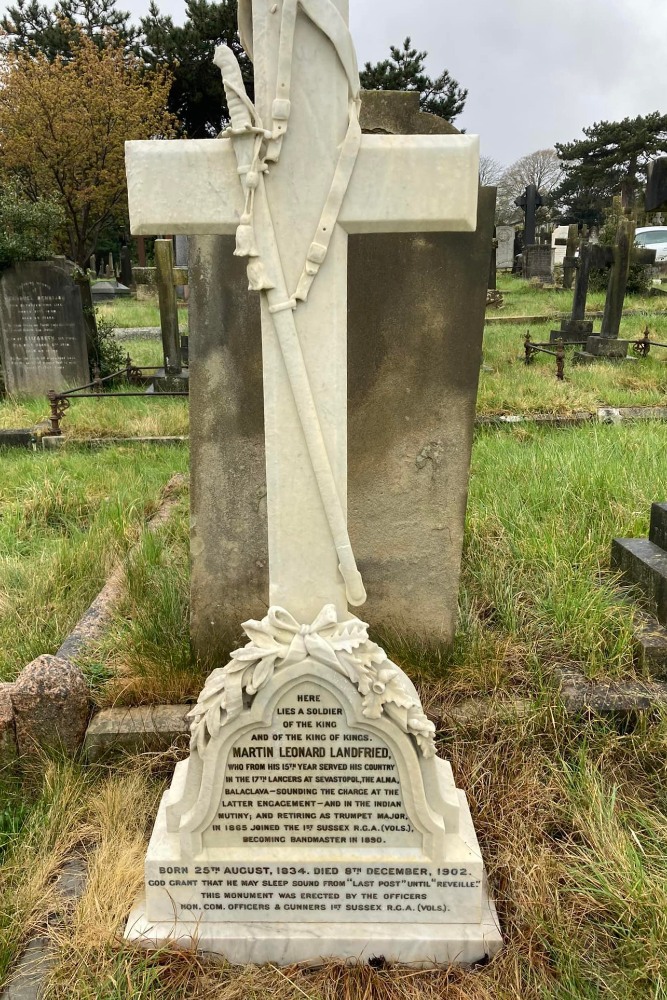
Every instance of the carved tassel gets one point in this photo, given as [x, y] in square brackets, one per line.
[245, 239]
[257, 277]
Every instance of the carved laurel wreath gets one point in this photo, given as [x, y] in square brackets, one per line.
[279, 641]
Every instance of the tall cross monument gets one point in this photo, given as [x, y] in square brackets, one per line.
[292, 176]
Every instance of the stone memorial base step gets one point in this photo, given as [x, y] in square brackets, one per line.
[603, 349]
[420, 945]
[162, 382]
[644, 561]
[572, 331]
[408, 939]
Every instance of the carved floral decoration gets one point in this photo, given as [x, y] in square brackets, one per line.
[279, 641]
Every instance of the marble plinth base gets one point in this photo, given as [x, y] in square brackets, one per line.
[416, 942]
[419, 944]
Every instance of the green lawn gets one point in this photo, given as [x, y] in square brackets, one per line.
[124, 313]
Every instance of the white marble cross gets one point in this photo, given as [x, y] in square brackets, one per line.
[399, 184]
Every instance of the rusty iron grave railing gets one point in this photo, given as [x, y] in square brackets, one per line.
[641, 347]
[531, 348]
[60, 402]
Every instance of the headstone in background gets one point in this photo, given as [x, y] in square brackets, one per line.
[165, 277]
[125, 266]
[108, 290]
[570, 260]
[505, 251]
[656, 188]
[559, 245]
[529, 201]
[537, 261]
[411, 392]
[608, 345]
[577, 328]
[42, 328]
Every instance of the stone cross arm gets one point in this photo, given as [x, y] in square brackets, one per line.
[401, 183]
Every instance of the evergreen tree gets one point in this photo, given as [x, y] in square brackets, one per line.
[611, 159]
[197, 96]
[53, 31]
[404, 70]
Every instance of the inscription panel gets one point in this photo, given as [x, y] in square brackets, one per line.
[382, 891]
[311, 780]
[313, 825]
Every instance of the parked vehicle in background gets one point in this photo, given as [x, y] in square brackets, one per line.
[655, 238]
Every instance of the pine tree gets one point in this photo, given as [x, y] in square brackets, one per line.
[404, 70]
[611, 159]
[53, 31]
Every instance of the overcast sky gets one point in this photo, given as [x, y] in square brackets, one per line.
[537, 71]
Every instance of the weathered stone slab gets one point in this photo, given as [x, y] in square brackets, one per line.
[651, 643]
[42, 328]
[20, 438]
[609, 698]
[411, 398]
[145, 728]
[644, 564]
[606, 347]
[573, 331]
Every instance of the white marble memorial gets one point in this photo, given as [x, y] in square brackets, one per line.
[312, 818]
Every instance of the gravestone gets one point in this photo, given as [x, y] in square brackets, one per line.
[559, 239]
[656, 188]
[312, 818]
[570, 260]
[537, 261]
[42, 328]
[125, 266]
[577, 328]
[411, 399]
[608, 346]
[529, 201]
[505, 251]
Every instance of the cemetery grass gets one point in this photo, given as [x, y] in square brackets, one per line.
[65, 519]
[132, 313]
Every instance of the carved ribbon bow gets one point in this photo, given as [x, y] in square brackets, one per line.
[291, 642]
